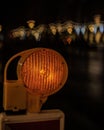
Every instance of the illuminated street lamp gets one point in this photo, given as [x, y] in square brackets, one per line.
[31, 23]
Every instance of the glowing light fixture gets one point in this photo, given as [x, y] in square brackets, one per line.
[31, 23]
[92, 28]
[42, 72]
[53, 28]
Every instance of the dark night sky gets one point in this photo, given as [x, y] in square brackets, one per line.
[45, 11]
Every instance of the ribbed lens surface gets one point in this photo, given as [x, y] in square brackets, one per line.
[44, 71]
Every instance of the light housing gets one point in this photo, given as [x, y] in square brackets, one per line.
[41, 72]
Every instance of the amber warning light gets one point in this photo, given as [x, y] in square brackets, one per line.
[43, 72]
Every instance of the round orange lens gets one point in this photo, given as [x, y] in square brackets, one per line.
[44, 71]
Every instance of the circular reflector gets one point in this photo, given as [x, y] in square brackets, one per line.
[44, 71]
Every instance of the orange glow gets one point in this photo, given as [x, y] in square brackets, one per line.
[31, 24]
[44, 71]
[91, 28]
[69, 40]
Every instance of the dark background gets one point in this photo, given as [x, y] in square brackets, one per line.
[15, 13]
[81, 99]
